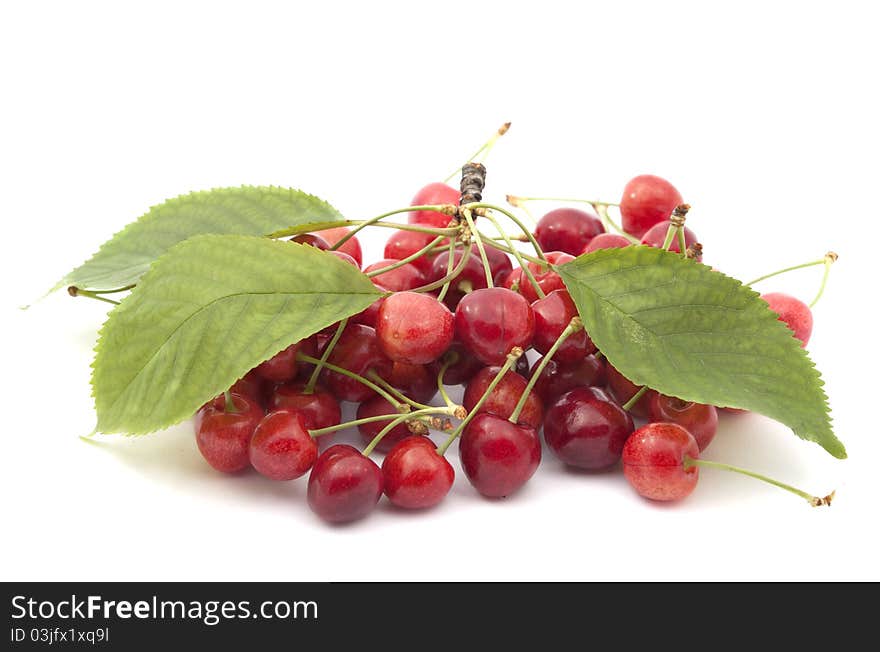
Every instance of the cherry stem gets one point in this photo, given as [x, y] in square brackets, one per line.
[513, 218]
[384, 384]
[325, 355]
[450, 263]
[400, 419]
[484, 149]
[449, 277]
[345, 372]
[91, 294]
[403, 261]
[635, 397]
[512, 357]
[376, 221]
[602, 211]
[812, 263]
[815, 501]
[513, 251]
[573, 327]
[229, 406]
[670, 236]
[516, 254]
[466, 213]
[682, 243]
[351, 424]
[830, 259]
[440, 387]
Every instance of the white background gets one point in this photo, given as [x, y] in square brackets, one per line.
[763, 114]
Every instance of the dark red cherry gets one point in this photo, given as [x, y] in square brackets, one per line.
[656, 236]
[499, 262]
[472, 276]
[351, 246]
[586, 428]
[223, 437]
[358, 351]
[375, 407]
[319, 409]
[416, 381]
[491, 321]
[251, 386]
[398, 279]
[622, 390]
[416, 476]
[547, 279]
[462, 368]
[281, 448]
[414, 328]
[498, 457]
[568, 230]
[344, 485]
[793, 312]
[606, 241]
[281, 367]
[556, 379]
[646, 201]
[698, 419]
[553, 314]
[653, 461]
[432, 195]
[403, 244]
[370, 315]
[504, 397]
[312, 240]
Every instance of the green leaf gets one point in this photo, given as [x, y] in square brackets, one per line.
[248, 210]
[206, 312]
[687, 331]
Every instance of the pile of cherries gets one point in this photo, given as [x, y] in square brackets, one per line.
[394, 357]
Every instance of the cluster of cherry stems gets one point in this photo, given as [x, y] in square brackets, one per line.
[456, 311]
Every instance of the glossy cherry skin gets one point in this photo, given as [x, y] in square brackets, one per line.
[281, 448]
[698, 419]
[281, 367]
[656, 236]
[556, 378]
[352, 246]
[606, 241]
[547, 279]
[499, 262]
[416, 381]
[491, 321]
[794, 313]
[402, 244]
[622, 390]
[504, 397]
[497, 456]
[320, 409]
[357, 350]
[341, 255]
[432, 195]
[251, 386]
[462, 368]
[647, 200]
[415, 475]
[568, 230]
[472, 276]
[223, 437]
[311, 239]
[398, 279]
[370, 315]
[375, 407]
[414, 328]
[587, 429]
[653, 461]
[344, 485]
[553, 313]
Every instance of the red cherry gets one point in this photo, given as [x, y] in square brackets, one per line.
[463, 367]
[398, 279]
[647, 200]
[319, 409]
[472, 276]
[341, 255]
[281, 448]
[358, 351]
[281, 367]
[586, 429]
[653, 461]
[547, 279]
[311, 239]
[503, 399]
[568, 230]
[499, 262]
[498, 457]
[375, 407]
[698, 419]
[344, 485]
[416, 476]
[402, 244]
[432, 195]
[416, 381]
[370, 315]
[552, 316]
[606, 241]
[223, 437]
[491, 321]
[656, 236]
[794, 313]
[623, 390]
[414, 328]
[251, 386]
[351, 246]
[556, 379]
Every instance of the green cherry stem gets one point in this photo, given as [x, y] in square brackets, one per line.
[573, 327]
[602, 211]
[815, 501]
[519, 258]
[440, 386]
[450, 263]
[522, 227]
[682, 243]
[485, 148]
[384, 384]
[670, 236]
[830, 259]
[827, 260]
[403, 261]
[511, 250]
[449, 277]
[89, 294]
[466, 213]
[512, 357]
[321, 226]
[325, 355]
[635, 398]
[398, 420]
[229, 404]
[345, 372]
